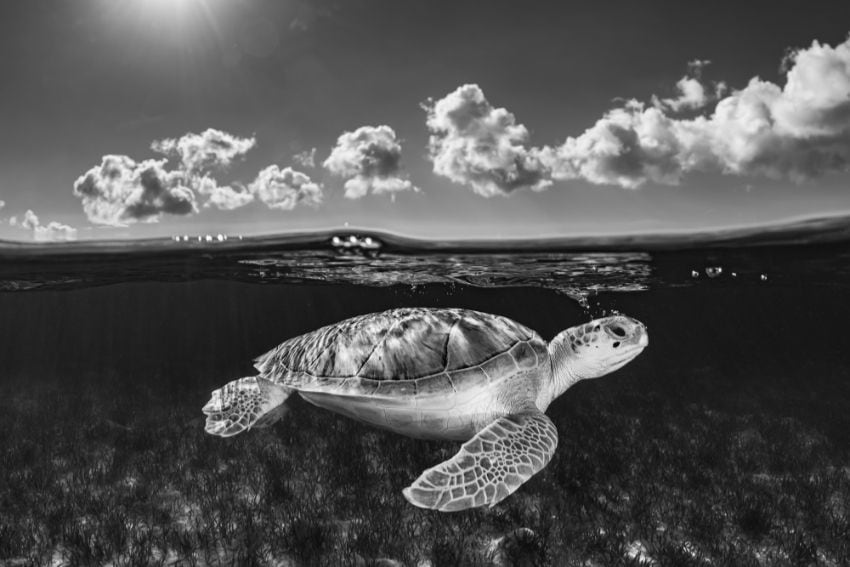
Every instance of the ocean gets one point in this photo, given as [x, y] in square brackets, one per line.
[725, 442]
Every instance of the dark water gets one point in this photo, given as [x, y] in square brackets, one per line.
[726, 442]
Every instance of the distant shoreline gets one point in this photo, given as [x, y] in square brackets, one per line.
[805, 231]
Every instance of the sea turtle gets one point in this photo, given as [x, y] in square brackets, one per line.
[436, 373]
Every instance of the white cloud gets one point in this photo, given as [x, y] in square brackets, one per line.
[307, 158]
[370, 157]
[796, 131]
[121, 191]
[695, 66]
[483, 147]
[30, 220]
[51, 232]
[222, 197]
[2, 203]
[692, 95]
[628, 147]
[285, 188]
[211, 149]
[227, 198]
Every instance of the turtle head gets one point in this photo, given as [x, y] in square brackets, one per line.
[605, 345]
[595, 349]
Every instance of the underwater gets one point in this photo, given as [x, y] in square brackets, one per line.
[724, 442]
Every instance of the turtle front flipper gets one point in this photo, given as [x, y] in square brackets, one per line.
[488, 467]
[243, 404]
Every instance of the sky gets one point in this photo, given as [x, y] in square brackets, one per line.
[438, 119]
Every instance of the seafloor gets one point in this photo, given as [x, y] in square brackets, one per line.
[727, 442]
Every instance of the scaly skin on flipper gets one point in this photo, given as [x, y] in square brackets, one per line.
[490, 466]
[242, 404]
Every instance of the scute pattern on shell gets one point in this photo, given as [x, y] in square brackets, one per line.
[400, 344]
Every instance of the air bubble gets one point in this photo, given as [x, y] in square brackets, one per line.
[713, 271]
[694, 274]
[763, 277]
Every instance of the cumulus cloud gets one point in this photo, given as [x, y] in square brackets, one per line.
[796, 131]
[693, 94]
[211, 149]
[307, 158]
[121, 191]
[371, 158]
[2, 203]
[627, 147]
[475, 144]
[222, 197]
[285, 188]
[51, 232]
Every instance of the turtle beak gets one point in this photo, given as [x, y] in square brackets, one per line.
[641, 337]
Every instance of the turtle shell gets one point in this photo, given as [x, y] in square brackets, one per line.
[417, 349]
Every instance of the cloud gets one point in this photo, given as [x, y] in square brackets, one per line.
[51, 232]
[222, 197]
[371, 158]
[796, 131]
[693, 94]
[628, 147]
[483, 147]
[307, 158]
[285, 188]
[2, 203]
[121, 191]
[211, 149]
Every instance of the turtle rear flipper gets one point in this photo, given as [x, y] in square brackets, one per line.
[242, 404]
[490, 466]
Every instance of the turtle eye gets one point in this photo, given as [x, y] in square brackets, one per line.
[618, 330]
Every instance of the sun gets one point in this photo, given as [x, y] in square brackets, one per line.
[171, 7]
[183, 21]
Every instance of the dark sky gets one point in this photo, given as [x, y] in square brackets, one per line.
[88, 78]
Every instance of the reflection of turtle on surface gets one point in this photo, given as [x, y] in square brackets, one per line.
[437, 374]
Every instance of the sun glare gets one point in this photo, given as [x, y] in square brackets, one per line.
[167, 4]
[181, 20]
[173, 11]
